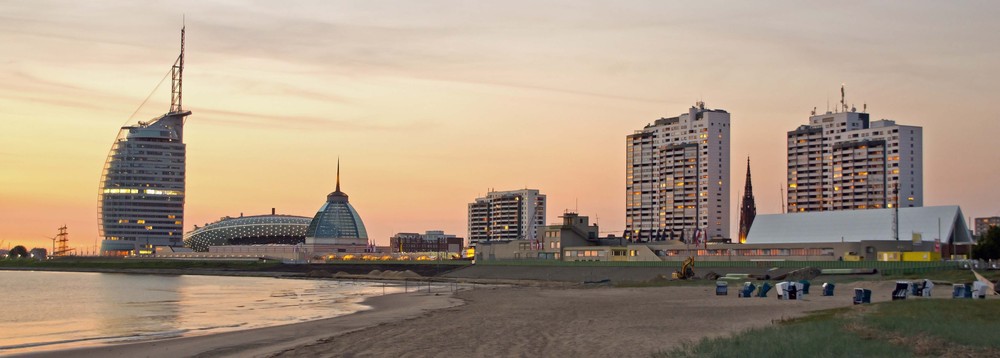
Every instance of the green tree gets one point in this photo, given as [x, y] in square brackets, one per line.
[988, 245]
[18, 252]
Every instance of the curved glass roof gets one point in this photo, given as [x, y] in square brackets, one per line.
[337, 219]
[249, 230]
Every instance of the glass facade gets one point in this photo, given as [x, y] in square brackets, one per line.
[250, 230]
[141, 195]
[337, 220]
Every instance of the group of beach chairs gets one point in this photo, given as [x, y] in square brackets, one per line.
[786, 290]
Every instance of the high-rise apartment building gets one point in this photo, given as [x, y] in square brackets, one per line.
[984, 224]
[677, 177]
[844, 161]
[506, 216]
[141, 198]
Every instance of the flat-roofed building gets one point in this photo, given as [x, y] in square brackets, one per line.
[430, 241]
[506, 216]
[844, 161]
[984, 224]
[677, 177]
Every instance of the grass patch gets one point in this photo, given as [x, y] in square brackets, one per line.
[972, 323]
[956, 276]
[938, 327]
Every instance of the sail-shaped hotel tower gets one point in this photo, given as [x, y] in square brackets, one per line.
[141, 196]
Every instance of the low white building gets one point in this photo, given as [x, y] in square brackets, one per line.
[931, 228]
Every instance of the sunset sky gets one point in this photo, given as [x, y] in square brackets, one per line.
[429, 104]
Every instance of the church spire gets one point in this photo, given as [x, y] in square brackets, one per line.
[749, 185]
[748, 208]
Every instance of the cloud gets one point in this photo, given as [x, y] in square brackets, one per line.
[297, 122]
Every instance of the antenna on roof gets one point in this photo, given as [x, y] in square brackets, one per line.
[177, 76]
[842, 95]
[781, 196]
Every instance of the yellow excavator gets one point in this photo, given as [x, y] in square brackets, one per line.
[687, 269]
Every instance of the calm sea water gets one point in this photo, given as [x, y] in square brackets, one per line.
[55, 310]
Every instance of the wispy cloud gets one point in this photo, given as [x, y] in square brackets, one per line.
[298, 122]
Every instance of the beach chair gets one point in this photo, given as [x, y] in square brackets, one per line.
[862, 295]
[794, 291]
[747, 290]
[901, 291]
[721, 288]
[805, 286]
[828, 288]
[764, 288]
[958, 290]
[978, 290]
[928, 285]
[782, 289]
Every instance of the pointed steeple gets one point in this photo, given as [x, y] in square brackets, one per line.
[749, 185]
[748, 208]
[337, 195]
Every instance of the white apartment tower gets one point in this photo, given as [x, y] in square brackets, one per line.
[677, 177]
[844, 161]
[506, 216]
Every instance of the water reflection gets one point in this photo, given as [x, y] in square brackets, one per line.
[74, 309]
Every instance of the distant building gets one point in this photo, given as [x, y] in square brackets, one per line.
[748, 208]
[984, 224]
[38, 253]
[844, 161]
[677, 177]
[141, 198]
[337, 227]
[934, 229]
[506, 216]
[575, 230]
[249, 230]
[430, 241]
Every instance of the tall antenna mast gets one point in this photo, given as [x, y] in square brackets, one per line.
[177, 76]
[781, 192]
[843, 105]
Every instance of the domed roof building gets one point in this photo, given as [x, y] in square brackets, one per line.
[336, 226]
[249, 230]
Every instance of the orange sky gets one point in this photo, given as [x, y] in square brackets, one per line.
[430, 104]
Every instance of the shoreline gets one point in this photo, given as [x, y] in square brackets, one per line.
[273, 340]
[495, 320]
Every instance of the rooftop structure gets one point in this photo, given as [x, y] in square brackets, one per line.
[141, 195]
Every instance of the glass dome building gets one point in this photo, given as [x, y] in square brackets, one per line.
[336, 222]
[249, 230]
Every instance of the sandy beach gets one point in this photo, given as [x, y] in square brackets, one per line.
[503, 321]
